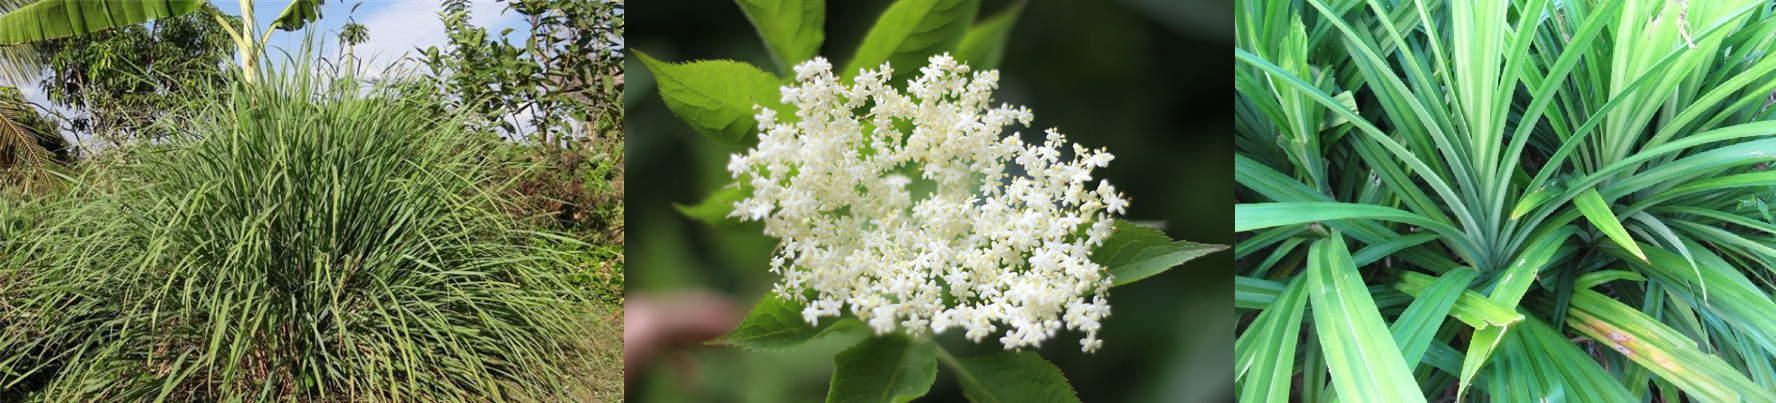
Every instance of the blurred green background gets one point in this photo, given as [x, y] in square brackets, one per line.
[1142, 77]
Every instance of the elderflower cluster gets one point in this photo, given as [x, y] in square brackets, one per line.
[1010, 247]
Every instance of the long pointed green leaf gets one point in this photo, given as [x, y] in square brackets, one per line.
[51, 19]
[1255, 293]
[1734, 299]
[1471, 308]
[1535, 363]
[1522, 273]
[1267, 351]
[1486, 339]
[1661, 349]
[1366, 363]
[1416, 327]
[1593, 207]
[1254, 216]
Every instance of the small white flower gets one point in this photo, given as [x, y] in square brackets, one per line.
[1010, 250]
[1112, 200]
[766, 117]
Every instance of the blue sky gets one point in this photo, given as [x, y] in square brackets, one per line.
[397, 27]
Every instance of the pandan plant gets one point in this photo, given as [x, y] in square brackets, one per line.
[1511, 201]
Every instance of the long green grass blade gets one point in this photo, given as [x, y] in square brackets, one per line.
[1267, 350]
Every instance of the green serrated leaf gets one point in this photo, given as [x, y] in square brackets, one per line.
[776, 324]
[713, 210]
[984, 45]
[716, 96]
[1135, 252]
[793, 29]
[1012, 377]
[911, 31]
[892, 368]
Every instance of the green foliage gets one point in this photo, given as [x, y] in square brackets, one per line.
[1268, 350]
[1592, 206]
[794, 29]
[353, 33]
[716, 96]
[31, 150]
[18, 64]
[1136, 252]
[119, 82]
[1011, 377]
[298, 14]
[556, 92]
[596, 268]
[984, 45]
[300, 242]
[714, 209]
[51, 19]
[776, 324]
[350, 36]
[909, 32]
[1570, 181]
[892, 368]
[566, 76]
[578, 189]
[1366, 365]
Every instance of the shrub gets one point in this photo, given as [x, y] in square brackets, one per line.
[578, 189]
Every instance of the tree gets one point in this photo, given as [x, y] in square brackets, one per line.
[120, 81]
[350, 36]
[29, 143]
[563, 83]
[52, 19]
[561, 89]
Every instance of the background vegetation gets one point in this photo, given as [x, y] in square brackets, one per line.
[208, 238]
[1506, 201]
[1113, 75]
